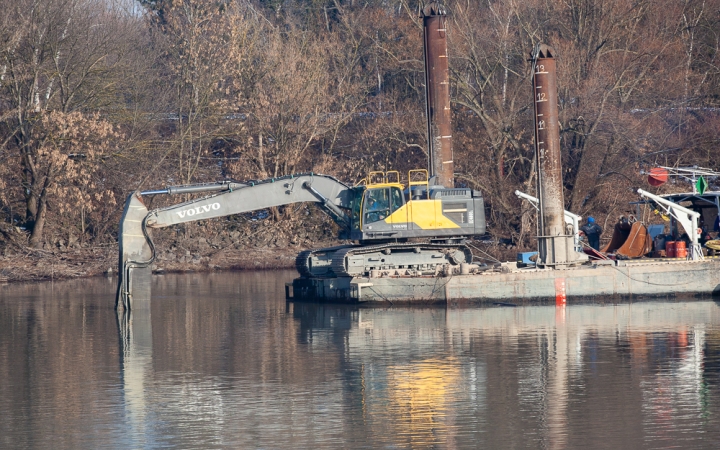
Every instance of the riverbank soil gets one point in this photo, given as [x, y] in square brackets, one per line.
[192, 251]
[25, 264]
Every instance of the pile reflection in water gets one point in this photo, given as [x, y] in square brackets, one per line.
[222, 361]
[556, 377]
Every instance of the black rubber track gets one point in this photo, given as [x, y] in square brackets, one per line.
[303, 258]
[338, 259]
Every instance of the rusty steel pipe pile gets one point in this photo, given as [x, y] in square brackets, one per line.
[437, 92]
[554, 244]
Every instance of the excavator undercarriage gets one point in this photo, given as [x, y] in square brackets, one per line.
[410, 258]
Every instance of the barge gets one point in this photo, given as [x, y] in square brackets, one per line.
[622, 280]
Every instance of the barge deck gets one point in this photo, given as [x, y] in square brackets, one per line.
[619, 279]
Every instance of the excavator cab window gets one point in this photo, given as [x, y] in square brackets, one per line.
[396, 198]
[380, 203]
[356, 205]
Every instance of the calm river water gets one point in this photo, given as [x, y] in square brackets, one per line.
[222, 361]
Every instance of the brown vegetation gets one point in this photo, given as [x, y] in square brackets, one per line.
[97, 101]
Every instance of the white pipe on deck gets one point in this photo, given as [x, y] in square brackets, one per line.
[570, 218]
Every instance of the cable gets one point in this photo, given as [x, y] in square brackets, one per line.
[648, 282]
[489, 257]
[124, 291]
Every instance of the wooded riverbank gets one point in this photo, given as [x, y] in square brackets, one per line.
[99, 99]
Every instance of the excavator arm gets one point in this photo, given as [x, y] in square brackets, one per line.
[239, 198]
[137, 251]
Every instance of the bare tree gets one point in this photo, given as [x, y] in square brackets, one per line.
[64, 60]
[490, 43]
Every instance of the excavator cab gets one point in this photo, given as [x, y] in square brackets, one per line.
[384, 208]
[382, 198]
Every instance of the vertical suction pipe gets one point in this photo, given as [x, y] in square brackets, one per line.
[437, 94]
[552, 242]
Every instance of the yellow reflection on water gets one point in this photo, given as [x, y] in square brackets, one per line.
[420, 396]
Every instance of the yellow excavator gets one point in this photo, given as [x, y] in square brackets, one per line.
[413, 226]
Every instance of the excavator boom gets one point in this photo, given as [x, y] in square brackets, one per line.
[328, 191]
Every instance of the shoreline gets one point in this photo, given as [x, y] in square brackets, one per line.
[27, 265]
[40, 265]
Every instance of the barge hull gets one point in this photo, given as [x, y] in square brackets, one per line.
[621, 279]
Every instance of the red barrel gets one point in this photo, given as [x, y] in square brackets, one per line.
[670, 249]
[680, 249]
